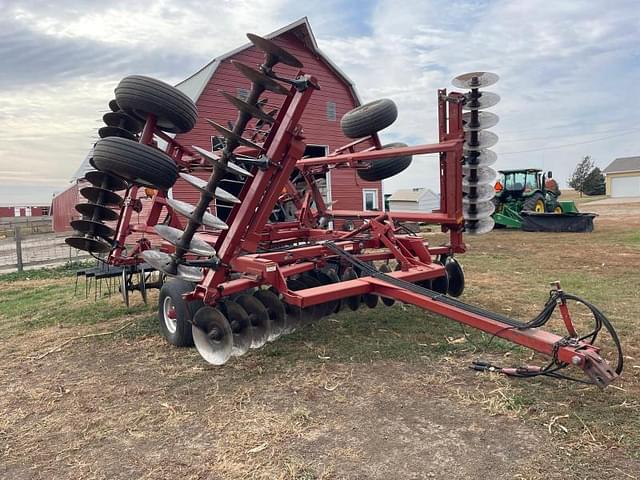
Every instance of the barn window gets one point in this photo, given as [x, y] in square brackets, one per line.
[370, 199]
[216, 143]
[331, 111]
[243, 94]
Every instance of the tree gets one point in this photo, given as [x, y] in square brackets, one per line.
[580, 174]
[594, 183]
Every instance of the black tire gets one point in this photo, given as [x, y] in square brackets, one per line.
[529, 204]
[136, 162]
[369, 118]
[180, 336]
[387, 168]
[139, 96]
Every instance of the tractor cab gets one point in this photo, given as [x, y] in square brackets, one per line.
[519, 183]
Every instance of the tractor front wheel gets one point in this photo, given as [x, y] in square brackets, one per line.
[535, 203]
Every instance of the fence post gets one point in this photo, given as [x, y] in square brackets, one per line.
[18, 236]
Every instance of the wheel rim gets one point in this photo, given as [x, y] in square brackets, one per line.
[539, 206]
[169, 315]
[557, 210]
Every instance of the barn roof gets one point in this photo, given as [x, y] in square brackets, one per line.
[624, 164]
[85, 167]
[410, 195]
[195, 84]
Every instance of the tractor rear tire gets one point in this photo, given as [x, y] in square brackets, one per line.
[369, 118]
[136, 162]
[141, 96]
[535, 203]
[177, 330]
[387, 168]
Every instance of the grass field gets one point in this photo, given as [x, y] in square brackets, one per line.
[383, 393]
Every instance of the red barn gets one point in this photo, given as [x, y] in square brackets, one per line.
[321, 120]
[22, 210]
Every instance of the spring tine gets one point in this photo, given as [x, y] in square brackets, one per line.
[243, 106]
[213, 158]
[278, 54]
[186, 209]
[229, 135]
[201, 185]
[260, 78]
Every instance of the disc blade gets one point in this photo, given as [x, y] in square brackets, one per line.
[479, 227]
[481, 158]
[296, 315]
[161, 261]
[483, 121]
[88, 244]
[352, 302]
[478, 211]
[318, 310]
[384, 268]
[186, 209]
[276, 310]
[122, 120]
[113, 105]
[212, 335]
[232, 136]
[245, 107]
[90, 227]
[230, 166]
[189, 274]
[241, 328]
[475, 80]
[105, 132]
[201, 185]
[96, 212]
[484, 175]
[260, 78]
[105, 180]
[279, 54]
[101, 196]
[259, 317]
[486, 100]
[197, 246]
[479, 140]
[483, 192]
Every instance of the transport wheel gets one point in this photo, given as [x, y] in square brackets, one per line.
[369, 118]
[352, 302]
[386, 168]
[175, 313]
[276, 310]
[455, 274]
[136, 162]
[535, 203]
[140, 96]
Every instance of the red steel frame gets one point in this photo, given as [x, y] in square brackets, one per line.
[249, 229]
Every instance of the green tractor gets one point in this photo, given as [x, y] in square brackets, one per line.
[526, 190]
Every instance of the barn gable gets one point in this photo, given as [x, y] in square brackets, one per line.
[321, 119]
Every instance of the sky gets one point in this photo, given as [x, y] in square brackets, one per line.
[569, 72]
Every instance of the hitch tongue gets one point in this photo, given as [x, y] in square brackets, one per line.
[598, 369]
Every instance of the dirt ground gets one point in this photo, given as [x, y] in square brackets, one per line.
[379, 394]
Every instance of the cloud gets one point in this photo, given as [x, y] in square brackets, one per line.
[568, 70]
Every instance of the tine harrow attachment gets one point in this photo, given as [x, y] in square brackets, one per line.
[257, 256]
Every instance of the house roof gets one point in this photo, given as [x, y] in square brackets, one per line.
[624, 164]
[410, 195]
[196, 83]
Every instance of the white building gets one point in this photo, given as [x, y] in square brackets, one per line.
[414, 199]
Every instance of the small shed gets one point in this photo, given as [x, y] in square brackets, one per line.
[623, 177]
[414, 199]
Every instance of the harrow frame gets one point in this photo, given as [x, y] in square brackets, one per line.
[254, 253]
